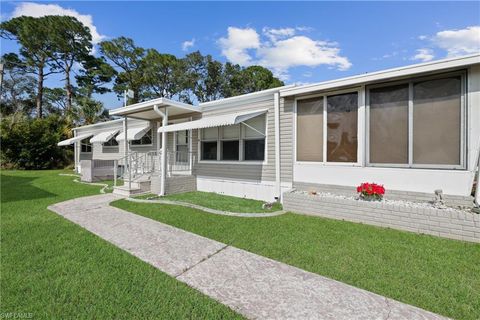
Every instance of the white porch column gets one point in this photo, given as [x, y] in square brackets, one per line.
[163, 159]
[276, 106]
[127, 160]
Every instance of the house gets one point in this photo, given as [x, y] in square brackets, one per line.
[414, 129]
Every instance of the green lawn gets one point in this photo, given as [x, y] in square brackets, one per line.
[436, 274]
[52, 268]
[219, 202]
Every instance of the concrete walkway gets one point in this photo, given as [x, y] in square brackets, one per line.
[254, 286]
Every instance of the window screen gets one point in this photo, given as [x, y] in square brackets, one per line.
[209, 150]
[310, 129]
[389, 124]
[437, 121]
[254, 150]
[230, 150]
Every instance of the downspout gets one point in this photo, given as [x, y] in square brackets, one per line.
[127, 160]
[276, 106]
[75, 152]
[163, 162]
[477, 190]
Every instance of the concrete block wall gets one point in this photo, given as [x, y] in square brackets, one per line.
[175, 184]
[450, 200]
[451, 224]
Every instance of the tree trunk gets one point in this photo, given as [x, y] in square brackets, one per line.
[68, 88]
[39, 97]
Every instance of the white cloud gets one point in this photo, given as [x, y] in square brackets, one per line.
[39, 10]
[188, 44]
[423, 55]
[235, 47]
[280, 50]
[459, 42]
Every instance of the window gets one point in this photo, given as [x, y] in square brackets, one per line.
[254, 139]
[209, 143]
[230, 143]
[418, 123]
[111, 143]
[389, 124]
[85, 145]
[342, 120]
[145, 140]
[310, 129]
[437, 121]
[340, 142]
[181, 146]
[241, 142]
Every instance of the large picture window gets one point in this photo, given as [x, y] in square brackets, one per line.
[333, 140]
[417, 123]
[241, 142]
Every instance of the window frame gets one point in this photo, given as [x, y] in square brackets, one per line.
[143, 145]
[240, 145]
[325, 95]
[111, 146]
[410, 82]
[87, 144]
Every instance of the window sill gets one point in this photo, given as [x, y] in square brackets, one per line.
[256, 163]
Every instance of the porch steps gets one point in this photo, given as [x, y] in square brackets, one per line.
[125, 191]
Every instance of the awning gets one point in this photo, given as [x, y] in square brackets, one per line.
[104, 136]
[134, 133]
[74, 139]
[214, 121]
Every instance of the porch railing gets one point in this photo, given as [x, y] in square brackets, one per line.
[180, 162]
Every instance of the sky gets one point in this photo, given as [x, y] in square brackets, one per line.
[301, 42]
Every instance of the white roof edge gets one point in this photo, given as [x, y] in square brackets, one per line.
[244, 96]
[385, 74]
[98, 124]
[161, 102]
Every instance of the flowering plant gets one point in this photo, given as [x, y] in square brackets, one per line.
[371, 191]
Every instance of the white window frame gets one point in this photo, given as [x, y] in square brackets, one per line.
[410, 82]
[240, 145]
[189, 143]
[360, 127]
[86, 144]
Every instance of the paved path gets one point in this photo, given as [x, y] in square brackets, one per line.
[257, 287]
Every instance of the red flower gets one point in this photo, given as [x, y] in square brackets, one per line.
[371, 190]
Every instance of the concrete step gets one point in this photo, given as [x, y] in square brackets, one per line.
[125, 191]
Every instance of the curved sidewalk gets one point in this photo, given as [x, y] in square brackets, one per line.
[254, 286]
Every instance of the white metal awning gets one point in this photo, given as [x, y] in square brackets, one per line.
[104, 136]
[134, 133]
[214, 121]
[74, 139]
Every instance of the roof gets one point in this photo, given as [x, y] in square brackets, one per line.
[431, 66]
[214, 121]
[144, 110]
[98, 124]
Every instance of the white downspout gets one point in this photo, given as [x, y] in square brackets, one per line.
[125, 152]
[163, 158]
[276, 105]
[75, 153]
[477, 190]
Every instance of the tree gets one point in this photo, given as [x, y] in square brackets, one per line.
[90, 111]
[162, 74]
[126, 56]
[251, 79]
[71, 43]
[94, 75]
[32, 34]
[55, 101]
[18, 93]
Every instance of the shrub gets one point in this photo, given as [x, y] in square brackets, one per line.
[32, 143]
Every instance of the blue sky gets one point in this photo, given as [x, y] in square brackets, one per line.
[302, 42]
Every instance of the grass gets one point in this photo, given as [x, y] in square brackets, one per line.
[219, 202]
[52, 268]
[436, 274]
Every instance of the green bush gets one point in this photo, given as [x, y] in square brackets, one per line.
[32, 143]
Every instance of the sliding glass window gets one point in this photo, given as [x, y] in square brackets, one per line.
[418, 123]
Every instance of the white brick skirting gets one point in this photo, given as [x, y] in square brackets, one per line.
[453, 224]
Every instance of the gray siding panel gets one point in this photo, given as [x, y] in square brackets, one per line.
[286, 140]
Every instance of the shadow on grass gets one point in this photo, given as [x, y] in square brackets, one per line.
[16, 188]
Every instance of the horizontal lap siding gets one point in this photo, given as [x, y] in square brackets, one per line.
[265, 172]
[286, 140]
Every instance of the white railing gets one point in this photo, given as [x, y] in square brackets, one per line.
[136, 164]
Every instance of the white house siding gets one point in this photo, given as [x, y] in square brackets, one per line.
[453, 182]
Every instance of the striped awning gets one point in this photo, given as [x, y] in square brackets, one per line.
[74, 139]
[214, 121]
[104, 136]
